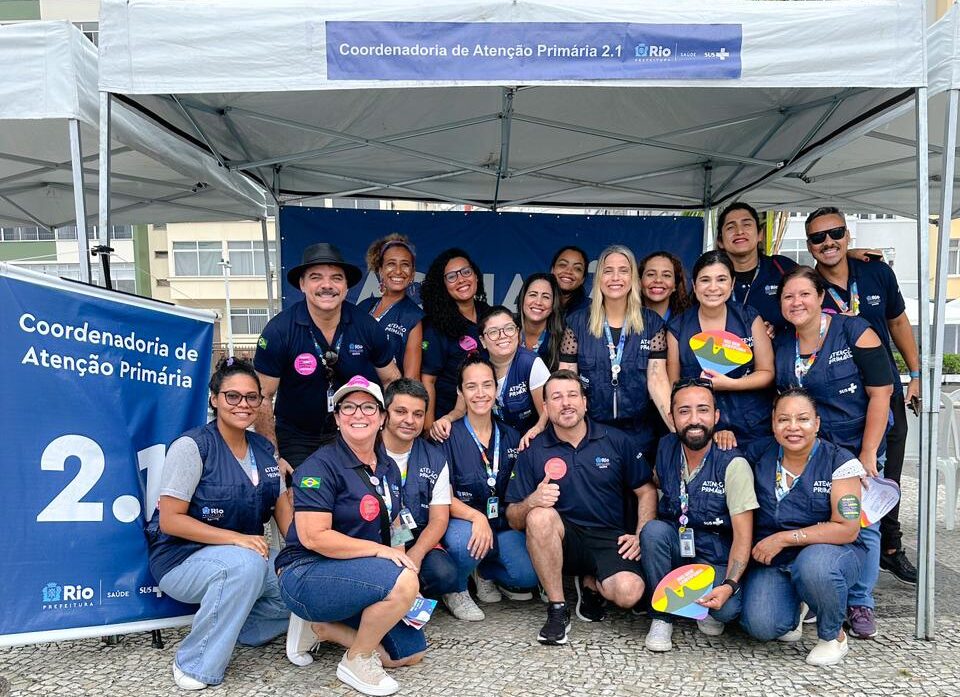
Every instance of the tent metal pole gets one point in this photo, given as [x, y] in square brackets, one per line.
[707, 196]
[506, 119]
[79, 200]
[267, 270]
[103, 249]
[275, 190]
[926, 558]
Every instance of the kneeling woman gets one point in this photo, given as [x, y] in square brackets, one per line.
[807, 530]
[220, 484]
[344, 568]
[481, 453]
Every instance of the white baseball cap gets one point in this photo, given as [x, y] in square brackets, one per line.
[358, 383]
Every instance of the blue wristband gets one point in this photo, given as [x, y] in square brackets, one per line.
[914, 374]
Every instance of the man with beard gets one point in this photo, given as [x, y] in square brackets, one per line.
[705, 513]
[567, 493]
[870, 289]
[312, 348]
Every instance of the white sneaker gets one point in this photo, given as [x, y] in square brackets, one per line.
[487, 591]
[543, 594]
[710, 626]
[514, 595]
[462, 607]
[828, 653]
[184, 681]
[794, 635]
[300, 639]
[364, 672]
[659, 637]
[808, 615]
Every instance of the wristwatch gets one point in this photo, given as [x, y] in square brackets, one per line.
[733, 584]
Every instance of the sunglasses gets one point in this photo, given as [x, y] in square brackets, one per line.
[233, 398]
[692, 382]
[451, 276]
[330, 359]
[835, 233]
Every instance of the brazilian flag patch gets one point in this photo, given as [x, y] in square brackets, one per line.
[310, 483]
[262, 342]
[424, 345]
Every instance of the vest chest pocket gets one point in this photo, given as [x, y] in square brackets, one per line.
[219, 492]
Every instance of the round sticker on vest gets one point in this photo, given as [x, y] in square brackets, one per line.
[555, 468]
[369, 508]
[305, 363]
[468, 343]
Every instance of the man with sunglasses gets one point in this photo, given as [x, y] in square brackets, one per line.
[308, 351]
[705, 512]
[870, 289]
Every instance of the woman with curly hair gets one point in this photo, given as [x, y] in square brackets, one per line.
[393, 260]
[453, 299]
[663, 284]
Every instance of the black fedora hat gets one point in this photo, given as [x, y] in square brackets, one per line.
[323, 253]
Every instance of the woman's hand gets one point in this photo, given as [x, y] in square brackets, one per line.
[257, 543]
[529, 436]
[725, 440]
[717, 598]
[769, 547]
[869, 462]
[481, 538]
[720, 381]
[440, 430]
[398, 557]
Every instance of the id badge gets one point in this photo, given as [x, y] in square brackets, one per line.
[330, 404]
[408, 520]
[400, 535]
[493, 507]
[687, 549]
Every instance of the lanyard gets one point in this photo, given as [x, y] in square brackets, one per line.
[782, 489]
[540, 340]
[854, 306]
[381, 487]
[801, 366]
[616, 354]
[491, 472]
[749, 287]
[321, 352]
[684, 496]
[254, 473]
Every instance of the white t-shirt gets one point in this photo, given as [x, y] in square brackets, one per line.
[441, 489]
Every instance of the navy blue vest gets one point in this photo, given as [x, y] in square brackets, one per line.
[833, 380]
[397, 322]
[708, 512]
[762, 294]
[746, 413]
[225, 497]
[515, 403]
[808, 502]
[468, 476]
[593, 364]
[424, 465]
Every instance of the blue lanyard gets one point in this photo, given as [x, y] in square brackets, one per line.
[615, 355]
[666, 315]
[253, 463]
[802, 366]
[321, 352]
[491, 473]
[684, 496]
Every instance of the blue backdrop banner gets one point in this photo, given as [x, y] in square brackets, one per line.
[507, 246]
[95, 386]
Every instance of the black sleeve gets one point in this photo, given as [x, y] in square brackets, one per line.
[874, 365]
[568, 346]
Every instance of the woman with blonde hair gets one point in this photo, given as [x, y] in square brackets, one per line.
[619, 348]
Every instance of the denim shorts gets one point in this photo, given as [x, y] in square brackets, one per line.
[339, 590]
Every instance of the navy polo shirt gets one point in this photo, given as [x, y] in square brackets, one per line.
[398, 321]
[761, 291]
[601, 472]
[286, 350]
[327, 482]
[880, 301]
[442, 356]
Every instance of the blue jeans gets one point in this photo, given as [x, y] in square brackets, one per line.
[508, 562]
[820, 576]
[239, 602]
[438, 574]
[339, 590]
[660, 554]
[861, 592]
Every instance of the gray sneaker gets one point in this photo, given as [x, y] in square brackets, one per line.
[364, 673]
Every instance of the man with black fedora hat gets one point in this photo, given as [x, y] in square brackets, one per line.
[309, 350]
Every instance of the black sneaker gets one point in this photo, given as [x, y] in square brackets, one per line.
[898, 565]
[554, 632]
[591, 606]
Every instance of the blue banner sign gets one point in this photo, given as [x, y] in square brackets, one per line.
[95, 386]
[532, 51]
[507, 246]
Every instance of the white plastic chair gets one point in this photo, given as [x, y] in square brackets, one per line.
[948, 453]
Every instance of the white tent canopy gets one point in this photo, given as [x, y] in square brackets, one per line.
[50, 83]
[254, 86]
[877, 172]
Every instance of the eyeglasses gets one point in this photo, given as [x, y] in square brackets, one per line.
[350, 408]
[451, 276]
[330, 359]
[495, 333]
[233, 398]
[836, 233]
[691, 382]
